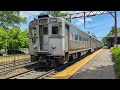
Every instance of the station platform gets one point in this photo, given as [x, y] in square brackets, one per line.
[98, 65]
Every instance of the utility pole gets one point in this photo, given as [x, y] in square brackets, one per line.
[84, 14]
[115, 30]
[84, 19]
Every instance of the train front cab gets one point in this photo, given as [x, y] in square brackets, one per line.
[47, 43]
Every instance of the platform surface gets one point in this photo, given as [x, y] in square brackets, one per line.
[100, 67]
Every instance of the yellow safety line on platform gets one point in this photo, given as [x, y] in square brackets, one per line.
[68, 72]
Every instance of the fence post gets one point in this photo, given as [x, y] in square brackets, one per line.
[14, 62]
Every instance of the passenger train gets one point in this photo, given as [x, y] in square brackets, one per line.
[55, 41]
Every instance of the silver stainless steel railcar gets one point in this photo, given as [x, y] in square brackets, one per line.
[55, 41]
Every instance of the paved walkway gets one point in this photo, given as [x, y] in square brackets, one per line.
[100, 67]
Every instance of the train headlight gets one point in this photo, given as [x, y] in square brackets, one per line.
[53, 46]
[35, 46]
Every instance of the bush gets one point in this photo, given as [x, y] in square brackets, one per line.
[111, 49]
[116, 57]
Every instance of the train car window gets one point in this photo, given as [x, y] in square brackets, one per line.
[72, 36]
[76, 37]
[54, 29]
[83, 38]
[66, 26]
[79, 38]
[45, 30]
[66, 30]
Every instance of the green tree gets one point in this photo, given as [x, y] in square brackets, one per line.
[17, 38]
[10, 19]
[111, 31]
[2, 38]
[10, 30]
[119, 29]
[104, 40]
[23, 38]
[13, 38]
[59, 14]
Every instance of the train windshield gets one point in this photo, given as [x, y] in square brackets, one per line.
[34, 32]
[55, 30]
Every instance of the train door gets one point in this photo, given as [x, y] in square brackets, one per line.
[44, 38]
[67, 36]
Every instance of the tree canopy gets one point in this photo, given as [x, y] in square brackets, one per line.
[110, 33]
[16, 38]
[2, 37]
[11, 35]
[10, 19]
[59, 14]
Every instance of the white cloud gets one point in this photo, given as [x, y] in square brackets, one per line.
[81, 21]
[29, 13]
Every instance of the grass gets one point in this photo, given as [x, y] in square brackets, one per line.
[116, 58]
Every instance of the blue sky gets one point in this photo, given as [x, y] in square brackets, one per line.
[100, 25]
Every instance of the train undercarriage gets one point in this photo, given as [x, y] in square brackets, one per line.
[55, 61]
[48, 61]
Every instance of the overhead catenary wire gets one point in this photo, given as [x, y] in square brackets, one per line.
[75, 19]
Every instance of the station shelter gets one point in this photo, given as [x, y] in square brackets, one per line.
[111, 39]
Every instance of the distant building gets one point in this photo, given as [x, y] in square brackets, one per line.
[111, 39]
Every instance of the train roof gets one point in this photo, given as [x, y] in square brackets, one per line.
[49, 16]
[76, 27]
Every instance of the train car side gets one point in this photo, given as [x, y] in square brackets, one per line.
[56, 41]
[79, 42]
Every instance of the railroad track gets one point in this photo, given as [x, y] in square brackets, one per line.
[32, 74]
[43, 73]
[9, 66]
[50, 73]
